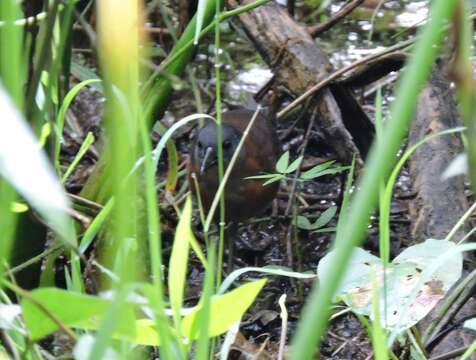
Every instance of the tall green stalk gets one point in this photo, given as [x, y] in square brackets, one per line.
[221, 246]
[42, 58]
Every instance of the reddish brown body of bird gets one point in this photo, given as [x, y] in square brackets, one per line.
[244, 198]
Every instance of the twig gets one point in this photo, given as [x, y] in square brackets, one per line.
[372, 19]
[156, 30]
[67, 244]
[416, 343]
[290, 129]
[76, 215]
[88, 29]
[370, 356]
[86, 202]
[289, 243]
[343, 345]
[264, 89]
[287, 212]
[451, 354]
[9, 345]
[34, 259]
[335, 336]
[316, 30]
[339, 73]
[302, 152]
[284, 326]
[310, 197]
[454, 326]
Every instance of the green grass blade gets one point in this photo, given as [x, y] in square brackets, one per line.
[179, 261]
[68, 99]
[201, 9]
[469, 352]
[347, 194]
[88, 141]
[270, 270]
[159, 88]
[110, 323]
[42, 57]
[11, 63]
[95, 226]
[379, 343]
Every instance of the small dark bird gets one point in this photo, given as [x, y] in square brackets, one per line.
[244, 198]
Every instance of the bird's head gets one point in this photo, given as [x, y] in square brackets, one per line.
[206, 145]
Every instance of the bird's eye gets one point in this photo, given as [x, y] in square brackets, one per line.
[226, 145]
[199, 144]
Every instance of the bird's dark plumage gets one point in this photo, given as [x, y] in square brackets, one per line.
[244, 198]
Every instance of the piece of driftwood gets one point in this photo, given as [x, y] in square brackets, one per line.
[298, 64]
[439, 204]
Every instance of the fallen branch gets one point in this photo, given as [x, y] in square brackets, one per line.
[318, 29]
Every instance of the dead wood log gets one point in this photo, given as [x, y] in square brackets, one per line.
[298, 64]
[439, 204]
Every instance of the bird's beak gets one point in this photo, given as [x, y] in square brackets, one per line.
[206, 160]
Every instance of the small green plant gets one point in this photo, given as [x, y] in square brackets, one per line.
[284, 169]
[318, 226]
